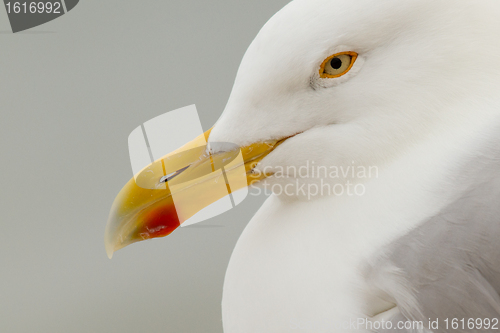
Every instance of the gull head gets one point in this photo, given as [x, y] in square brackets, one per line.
[419, 67]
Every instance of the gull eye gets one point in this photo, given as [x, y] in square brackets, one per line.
[337, 65]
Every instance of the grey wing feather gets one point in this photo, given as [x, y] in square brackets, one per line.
[450, 264]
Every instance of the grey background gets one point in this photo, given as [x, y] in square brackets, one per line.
[71, 91]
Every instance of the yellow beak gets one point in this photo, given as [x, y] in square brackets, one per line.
[174, 188]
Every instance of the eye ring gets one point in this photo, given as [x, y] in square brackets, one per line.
[323, 74]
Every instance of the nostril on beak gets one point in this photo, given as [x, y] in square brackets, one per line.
[172, 175]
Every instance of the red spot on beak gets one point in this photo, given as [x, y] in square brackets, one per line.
[159, 222]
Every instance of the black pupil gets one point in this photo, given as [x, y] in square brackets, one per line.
[336, 63]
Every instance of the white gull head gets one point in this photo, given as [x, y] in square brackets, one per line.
[423, 67]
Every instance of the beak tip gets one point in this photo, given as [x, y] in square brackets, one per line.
[109, 252]
[110, 249]
[110, 242]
